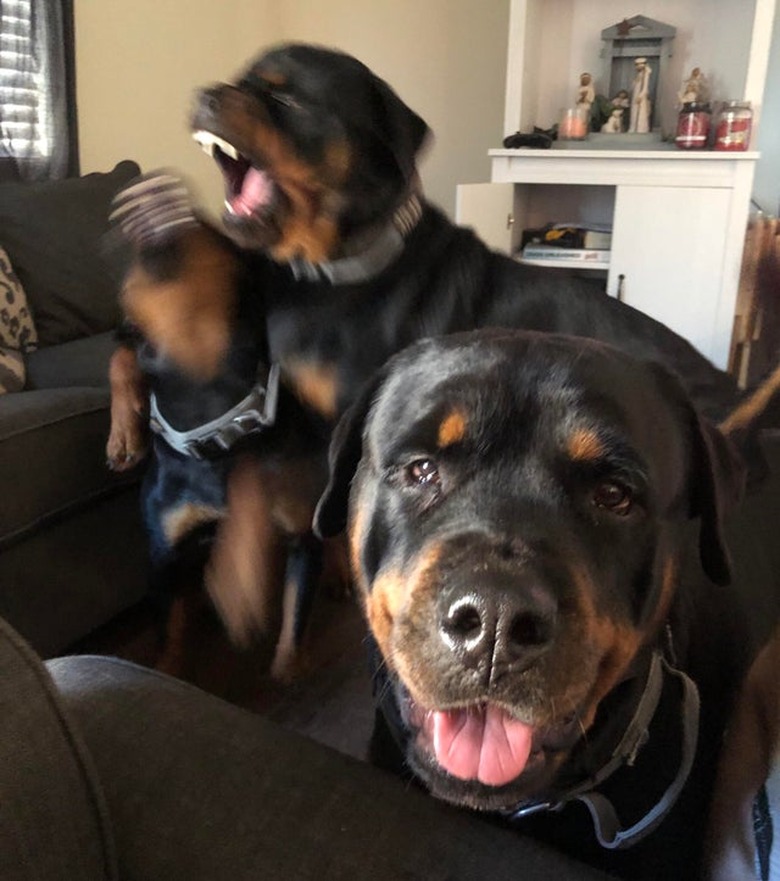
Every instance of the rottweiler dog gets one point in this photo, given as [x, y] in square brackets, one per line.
[212, 403]
[536, 529]
[326, 218]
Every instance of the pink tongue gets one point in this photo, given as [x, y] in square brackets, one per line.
[484, 744]
[256, 191]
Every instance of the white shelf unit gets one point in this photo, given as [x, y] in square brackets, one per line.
[678, 217]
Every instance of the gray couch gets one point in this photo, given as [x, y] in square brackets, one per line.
[110, 771]
[72, 546]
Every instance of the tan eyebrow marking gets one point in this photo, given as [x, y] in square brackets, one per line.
[584, 444]
[452, 428]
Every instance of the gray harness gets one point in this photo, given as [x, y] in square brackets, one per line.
[253, 414]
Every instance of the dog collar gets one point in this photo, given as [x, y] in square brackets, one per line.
[371, 261]
[608, 828]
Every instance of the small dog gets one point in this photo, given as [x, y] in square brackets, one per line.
[348, 264]
[197, 334]
[525, 516]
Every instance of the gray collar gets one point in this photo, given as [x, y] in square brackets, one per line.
[609, 831]
[370, 261]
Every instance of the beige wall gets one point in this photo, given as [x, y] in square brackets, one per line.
[139, 62]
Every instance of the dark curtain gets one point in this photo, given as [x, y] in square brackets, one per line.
[50, 59]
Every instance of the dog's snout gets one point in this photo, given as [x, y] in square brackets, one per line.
[496, 628]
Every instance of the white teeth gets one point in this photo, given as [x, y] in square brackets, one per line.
[208, 141]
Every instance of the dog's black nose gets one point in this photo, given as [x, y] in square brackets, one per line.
[499, 629]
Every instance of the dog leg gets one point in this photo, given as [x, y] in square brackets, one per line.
[304, 565]
[128, 438]
[245, 574]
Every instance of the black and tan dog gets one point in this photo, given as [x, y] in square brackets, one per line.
[536, 531]
[349, 262]
[212, 404]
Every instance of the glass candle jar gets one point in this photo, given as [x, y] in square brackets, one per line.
[733, 126]
[693, 126]
[573, 125]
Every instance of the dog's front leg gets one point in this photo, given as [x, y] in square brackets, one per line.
[128, 439]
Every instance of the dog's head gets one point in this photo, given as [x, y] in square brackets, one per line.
[313, 147]
[519, 510]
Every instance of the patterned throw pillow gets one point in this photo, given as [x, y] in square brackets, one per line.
[17, 330]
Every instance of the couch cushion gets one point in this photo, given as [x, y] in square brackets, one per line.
[52, 456]
[78, 362]
[53, 232]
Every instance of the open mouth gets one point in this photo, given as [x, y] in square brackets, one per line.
[250, 192]
[485, 743]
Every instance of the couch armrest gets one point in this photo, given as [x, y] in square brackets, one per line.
[53, 820]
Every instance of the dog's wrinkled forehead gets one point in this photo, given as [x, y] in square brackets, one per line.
[323, 76]
[503, 377]
[338, 89]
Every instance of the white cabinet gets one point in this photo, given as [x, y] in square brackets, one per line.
[678, 217]
[669, 269]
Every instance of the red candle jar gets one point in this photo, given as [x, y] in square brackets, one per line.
[693, 126]
[733, 126]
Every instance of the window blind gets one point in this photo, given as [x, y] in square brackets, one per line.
[23, 116]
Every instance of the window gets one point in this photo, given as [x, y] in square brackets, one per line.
[22, 84]
[37, 89]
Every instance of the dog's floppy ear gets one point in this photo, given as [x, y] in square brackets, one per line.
[346, 449]
[718, 477]
[400, 129]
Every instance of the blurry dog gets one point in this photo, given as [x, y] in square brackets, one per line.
[536, 528]
[348, 262]
[196, 331]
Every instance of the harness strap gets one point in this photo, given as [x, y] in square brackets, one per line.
[253, 414]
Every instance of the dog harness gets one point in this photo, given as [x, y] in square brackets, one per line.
[253, 414]
[371, 261]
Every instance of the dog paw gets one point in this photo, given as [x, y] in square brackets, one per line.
[153, 209]
[125, 448]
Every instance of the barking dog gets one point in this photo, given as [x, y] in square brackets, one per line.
[348, 261]
[536, 530]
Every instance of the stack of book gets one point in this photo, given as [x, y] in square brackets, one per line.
[567, 244]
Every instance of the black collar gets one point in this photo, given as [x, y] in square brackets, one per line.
[663, 683]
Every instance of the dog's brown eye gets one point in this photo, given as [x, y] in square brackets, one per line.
[613, 497]
[423, 472]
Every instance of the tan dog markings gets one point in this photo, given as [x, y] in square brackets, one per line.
[179, 522]
[188, 318]
[129, 436]
[316, 385]
[452, 429]
[584, 445]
